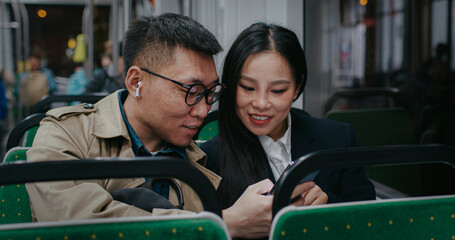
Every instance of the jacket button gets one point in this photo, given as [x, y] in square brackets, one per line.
[88, 105]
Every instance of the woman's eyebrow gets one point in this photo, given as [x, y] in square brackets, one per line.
[246, 78]
[275, 82]
[281, 81]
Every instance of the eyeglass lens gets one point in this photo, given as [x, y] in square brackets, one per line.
[197, 92]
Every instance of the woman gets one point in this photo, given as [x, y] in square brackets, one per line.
[259, 134]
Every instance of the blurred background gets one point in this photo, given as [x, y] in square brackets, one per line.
[360, 53]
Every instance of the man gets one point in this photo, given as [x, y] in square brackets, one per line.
[171, 82]
[35, 83]
[106, 80]
[5, 79]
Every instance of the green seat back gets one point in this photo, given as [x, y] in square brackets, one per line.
[384, 126]
[376, 127]
[14, 199]
[209, 131]
[30, 136]
[437, 124]
[16, 154]
[417, 218]
[207, 226]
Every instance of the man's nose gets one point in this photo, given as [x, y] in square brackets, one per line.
[201, 109]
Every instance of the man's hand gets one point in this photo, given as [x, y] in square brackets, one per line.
[310, 194]
[251, 214]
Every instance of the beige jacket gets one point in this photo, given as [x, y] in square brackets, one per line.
[89, 131]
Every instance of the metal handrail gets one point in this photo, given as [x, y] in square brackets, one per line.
[393, 93]
[15, 136]
[85, 169]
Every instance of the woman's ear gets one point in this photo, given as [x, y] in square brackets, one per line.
[133, 77]
[297, 89]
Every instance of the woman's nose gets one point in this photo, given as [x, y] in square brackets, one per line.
[261, 101]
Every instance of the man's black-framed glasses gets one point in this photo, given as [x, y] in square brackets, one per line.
[195, 92]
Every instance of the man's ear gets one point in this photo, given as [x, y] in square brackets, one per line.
[133, 77]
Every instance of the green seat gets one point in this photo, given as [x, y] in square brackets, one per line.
[436, 123]
[30, 136]
[208, 129]
[16, 154]
[15, 202]
[437, 126]
[204, 225]
[190, 227]
[377, 127]
[380, 127]
[412, 218]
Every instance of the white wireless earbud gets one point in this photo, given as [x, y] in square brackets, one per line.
[138, 87]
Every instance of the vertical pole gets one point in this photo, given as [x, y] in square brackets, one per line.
[126, 14]
[115, 41]
[304, 48]
[3, 27]
[90, 40]
[25, 31]
[449, 32]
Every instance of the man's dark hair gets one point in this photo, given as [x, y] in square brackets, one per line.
[150, 41]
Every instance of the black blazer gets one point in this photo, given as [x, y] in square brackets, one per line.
[309, 134]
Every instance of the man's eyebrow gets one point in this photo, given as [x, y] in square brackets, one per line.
[198, 81]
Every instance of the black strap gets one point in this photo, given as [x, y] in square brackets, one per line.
[172, 183]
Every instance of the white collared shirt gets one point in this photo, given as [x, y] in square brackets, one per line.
[278, 153]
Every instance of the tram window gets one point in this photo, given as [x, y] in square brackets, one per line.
[62, 23]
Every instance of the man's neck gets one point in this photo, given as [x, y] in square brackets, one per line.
[151, 142]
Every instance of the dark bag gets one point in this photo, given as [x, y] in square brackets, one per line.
[142, 198]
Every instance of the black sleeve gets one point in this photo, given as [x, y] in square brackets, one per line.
[349, 184]
[345, 185]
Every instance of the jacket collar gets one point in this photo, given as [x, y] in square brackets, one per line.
[195, 153]
[198, 158]
[108, 118]
[109, 124]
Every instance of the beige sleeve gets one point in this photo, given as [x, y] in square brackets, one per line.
[70, 199]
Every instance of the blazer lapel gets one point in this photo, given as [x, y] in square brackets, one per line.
[303, 137]
[269, 169]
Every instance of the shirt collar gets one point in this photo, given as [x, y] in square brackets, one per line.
[137, 145]
[285, 140]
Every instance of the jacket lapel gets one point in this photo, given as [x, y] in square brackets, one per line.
[303, 137]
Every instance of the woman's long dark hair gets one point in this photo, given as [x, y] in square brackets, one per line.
[242, 160]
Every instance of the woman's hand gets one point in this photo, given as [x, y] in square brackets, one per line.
[251, 214]
[310, 194]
